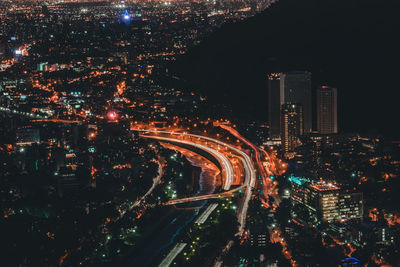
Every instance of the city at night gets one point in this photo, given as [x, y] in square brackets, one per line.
[199, 133]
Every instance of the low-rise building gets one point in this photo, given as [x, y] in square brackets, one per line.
[315, 203]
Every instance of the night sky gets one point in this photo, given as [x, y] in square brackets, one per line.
[352, 45]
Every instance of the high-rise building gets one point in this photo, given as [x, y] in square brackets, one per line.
[274, 105]
[327, 110]
[291, 126]
[296, 88]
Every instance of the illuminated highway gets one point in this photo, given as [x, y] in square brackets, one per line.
[226, 166]
[255, 148]
[22, 113]
[172, 254]
[229, 193]
[156, 181]
[264, 171]
[203, 217]
[250, 175]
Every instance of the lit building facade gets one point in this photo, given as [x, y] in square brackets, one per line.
[351, 205]
[291, 126]
[295, 87]
[324, 202]
[327, 110]
[258, 239]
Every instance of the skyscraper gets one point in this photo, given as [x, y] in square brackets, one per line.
[327, 110]
[291, 126]
[296, 88]
[274, 105]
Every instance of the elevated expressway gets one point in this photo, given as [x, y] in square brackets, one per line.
[264, 171]
[226, 166]
[224, 163]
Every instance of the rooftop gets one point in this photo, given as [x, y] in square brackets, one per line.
[324, 187]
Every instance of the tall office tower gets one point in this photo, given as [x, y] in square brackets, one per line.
[291, 125]
[296, 88]
[274, 105]
[327, 110]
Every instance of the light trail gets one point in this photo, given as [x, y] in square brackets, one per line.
[203, 217]
[276, 237]
[58, 121]
[268, 186]
[262, 170]
[226, 166]
[22, 113]
[250, 176]
[172, 254]
[156, 181]
[210, 175]
[229, 193]
[249, 183]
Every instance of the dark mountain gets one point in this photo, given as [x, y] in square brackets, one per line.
[351, 44]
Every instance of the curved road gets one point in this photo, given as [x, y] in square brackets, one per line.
[227, 169]
[250, 175]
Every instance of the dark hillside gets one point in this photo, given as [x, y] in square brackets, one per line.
[351, 44]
